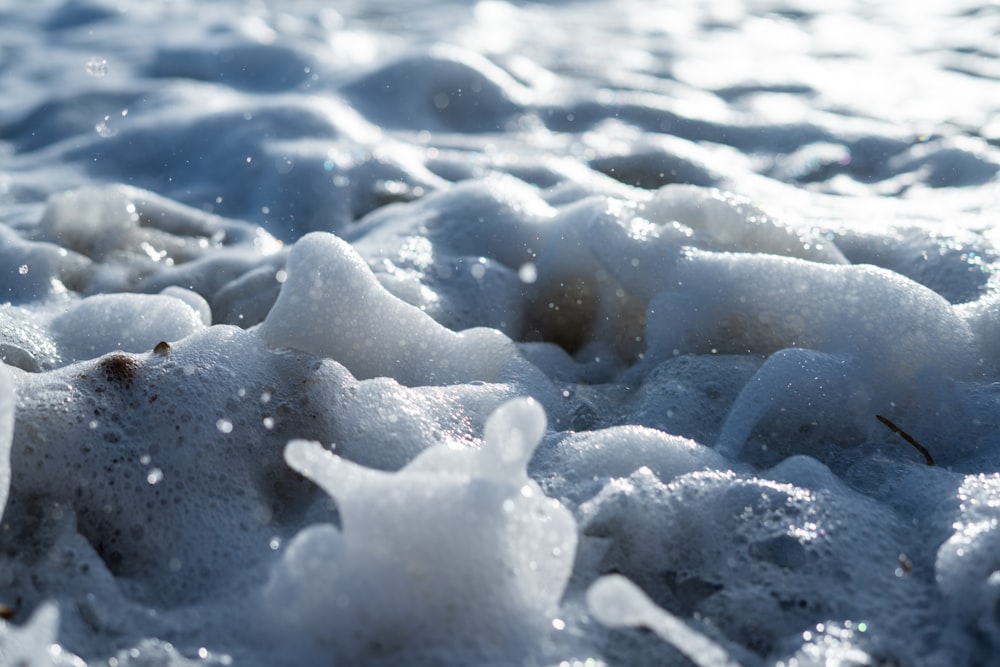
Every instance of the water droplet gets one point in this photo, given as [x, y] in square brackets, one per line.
[154, 476]
[97, 67]
[23, 269]
[268, 423]
[224, 425]
[528, 273]
[103, 129]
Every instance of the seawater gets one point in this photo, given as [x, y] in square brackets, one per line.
[454, 332]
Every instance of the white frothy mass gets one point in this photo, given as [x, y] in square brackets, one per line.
[451, 333]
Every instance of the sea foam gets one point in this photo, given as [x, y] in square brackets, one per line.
[353, 335]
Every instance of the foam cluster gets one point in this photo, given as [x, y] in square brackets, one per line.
[458, 554]
[354, 336]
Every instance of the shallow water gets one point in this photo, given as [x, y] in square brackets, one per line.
[562, 290]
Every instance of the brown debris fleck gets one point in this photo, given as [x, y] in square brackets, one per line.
[119, 368]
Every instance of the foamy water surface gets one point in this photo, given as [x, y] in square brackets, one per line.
[450, 333]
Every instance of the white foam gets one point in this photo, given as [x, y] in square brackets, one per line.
[6, 432]
[332, 305]
[129, 322]
[458, 554]
[714, 244]
[617, 602]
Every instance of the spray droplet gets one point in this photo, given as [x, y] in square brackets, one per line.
[97, 67]
[103, 129]
[528, 273]
[23, 269]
